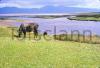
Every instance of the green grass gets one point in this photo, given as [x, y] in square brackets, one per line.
[47, 54]
[85, 18]
[5, 32]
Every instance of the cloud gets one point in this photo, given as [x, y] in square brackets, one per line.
[89, 4]
[20, 5]
[42, 3]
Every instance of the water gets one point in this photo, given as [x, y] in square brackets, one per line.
[64, 24]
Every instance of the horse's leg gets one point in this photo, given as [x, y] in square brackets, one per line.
[24, 32]
[24, 35]
[36, 34]
[20, 33]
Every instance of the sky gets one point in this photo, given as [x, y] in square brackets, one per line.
[42, 3]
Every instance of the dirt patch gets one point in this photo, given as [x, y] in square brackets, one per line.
[9, 23]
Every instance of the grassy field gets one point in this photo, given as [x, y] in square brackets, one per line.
[85, 18]
[47, 54]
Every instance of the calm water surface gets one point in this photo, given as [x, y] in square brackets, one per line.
[64, 24]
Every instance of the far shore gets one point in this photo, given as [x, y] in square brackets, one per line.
[57, 14]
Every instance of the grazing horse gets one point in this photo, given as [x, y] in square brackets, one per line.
[29, 28]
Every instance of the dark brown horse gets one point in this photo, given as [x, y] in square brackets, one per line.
[31, 27]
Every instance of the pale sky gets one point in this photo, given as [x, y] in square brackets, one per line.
[42, 3]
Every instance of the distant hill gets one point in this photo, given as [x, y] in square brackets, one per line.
[46, 9]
